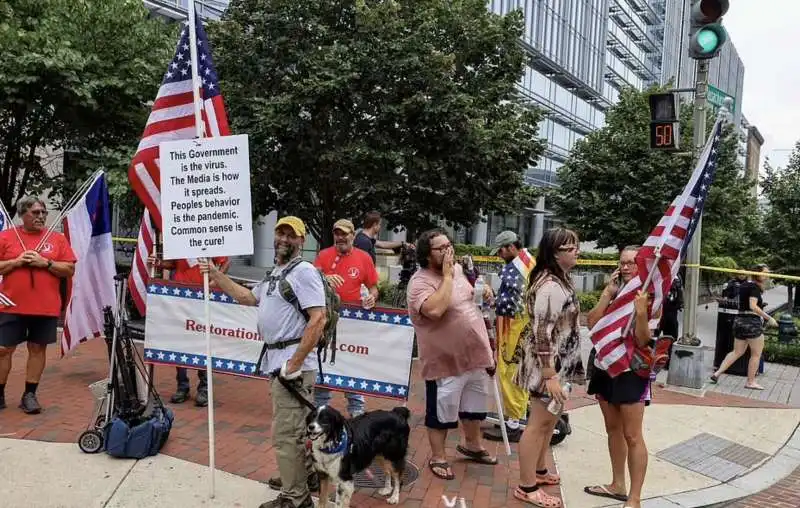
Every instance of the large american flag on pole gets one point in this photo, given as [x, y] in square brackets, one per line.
[172, 118]
[660, 254]
[5, 223]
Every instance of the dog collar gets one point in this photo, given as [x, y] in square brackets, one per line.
[338, 446]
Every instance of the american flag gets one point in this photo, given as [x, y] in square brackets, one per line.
[510, 301]
[662, 254]
[172, 118]
[5, 223]
[513, 280]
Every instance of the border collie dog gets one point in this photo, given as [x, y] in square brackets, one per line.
[341, 448]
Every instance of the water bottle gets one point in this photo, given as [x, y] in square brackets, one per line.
[364, 294]
[478, 295]
[556, 407]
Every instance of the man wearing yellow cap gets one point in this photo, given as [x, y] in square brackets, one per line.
[291, 332]
[347, 269]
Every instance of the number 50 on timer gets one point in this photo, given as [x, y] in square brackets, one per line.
[664, 121]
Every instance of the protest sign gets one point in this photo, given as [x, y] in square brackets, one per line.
[373, 350]
[205, 197]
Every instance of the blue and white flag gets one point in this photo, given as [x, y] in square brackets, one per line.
[88, 229]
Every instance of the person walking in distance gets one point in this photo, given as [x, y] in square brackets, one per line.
[347, 269]
[748, 328]
[32, 271]
[291, 332]
[454, 351]
[549, 357]
[512, 318]
[622, 399]
[185, 272]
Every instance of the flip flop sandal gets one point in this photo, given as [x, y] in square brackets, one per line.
[538, 498]
[602, 491]
[481, 457]
[433, 465]
[547, 479]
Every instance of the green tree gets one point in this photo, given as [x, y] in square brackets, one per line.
[614, 188]
[76, 76]
[404, 106]
[781, 187]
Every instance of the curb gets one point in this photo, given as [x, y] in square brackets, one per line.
[770, 472]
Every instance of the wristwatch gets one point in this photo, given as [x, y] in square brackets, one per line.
[49, 263]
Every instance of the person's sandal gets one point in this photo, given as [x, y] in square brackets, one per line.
[547, 479]
[538, 498]
[604, 491]
[481, 457]
[433, 465]
[714, 379]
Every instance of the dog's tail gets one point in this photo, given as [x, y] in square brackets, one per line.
[403, 412]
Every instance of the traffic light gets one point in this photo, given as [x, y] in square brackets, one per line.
[706, 33]
[664, 122]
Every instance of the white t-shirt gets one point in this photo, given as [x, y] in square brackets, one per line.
[278, 320]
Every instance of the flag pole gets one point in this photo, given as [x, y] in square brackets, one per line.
[647, 282]
[7, 217]
[79, 195]
[198, 122]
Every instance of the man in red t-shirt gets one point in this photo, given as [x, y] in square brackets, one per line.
[184, 272]
[346, 269]
[32, 267]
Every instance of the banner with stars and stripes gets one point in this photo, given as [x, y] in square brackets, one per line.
[373, 351]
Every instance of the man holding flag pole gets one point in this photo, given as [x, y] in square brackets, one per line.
[189, 105]
[33, 261]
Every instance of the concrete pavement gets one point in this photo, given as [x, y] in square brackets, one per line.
[721, 446]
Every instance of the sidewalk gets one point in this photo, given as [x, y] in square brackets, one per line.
[740, 437]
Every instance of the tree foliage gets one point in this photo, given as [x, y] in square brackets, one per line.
[404, 106]
[75, 75]
[614, 188]
[781, 187]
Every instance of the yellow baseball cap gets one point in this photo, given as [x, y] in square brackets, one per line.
[345, 225]
[293, 222]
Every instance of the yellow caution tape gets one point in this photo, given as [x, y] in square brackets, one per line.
[592, 262]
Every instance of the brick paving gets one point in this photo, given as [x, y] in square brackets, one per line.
[784, 494]
[243, 416]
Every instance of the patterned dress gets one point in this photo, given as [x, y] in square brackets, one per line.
[552, 338]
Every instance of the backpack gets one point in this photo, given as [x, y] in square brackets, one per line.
[332, 307]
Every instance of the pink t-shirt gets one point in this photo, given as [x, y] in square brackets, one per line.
[457, 342]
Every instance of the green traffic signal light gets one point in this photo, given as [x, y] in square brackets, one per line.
[708, 40]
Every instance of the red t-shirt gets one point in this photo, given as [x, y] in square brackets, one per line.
[355, 268]
[191, 274]
[35, 291]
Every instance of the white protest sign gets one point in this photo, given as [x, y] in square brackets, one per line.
[205, 197]
[373, 350]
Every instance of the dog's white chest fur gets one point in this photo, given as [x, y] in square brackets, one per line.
[327, 463]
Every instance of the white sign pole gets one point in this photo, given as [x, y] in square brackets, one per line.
[198, 121]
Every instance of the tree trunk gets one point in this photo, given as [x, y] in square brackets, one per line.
[789, 287]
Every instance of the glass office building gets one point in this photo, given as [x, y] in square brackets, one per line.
[583, 52]
[178, 9]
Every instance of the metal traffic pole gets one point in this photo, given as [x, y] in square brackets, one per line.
[693, 255]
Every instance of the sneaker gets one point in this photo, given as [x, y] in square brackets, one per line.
[201, 400]
[285, 502]
[180, 397]
[29, 404]
[495, 434]
[275, 482]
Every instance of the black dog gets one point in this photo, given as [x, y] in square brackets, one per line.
[342, 448]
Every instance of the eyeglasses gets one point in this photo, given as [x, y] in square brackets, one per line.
[627, 263]
[443, 247]
[568, 248]
[37, 213]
